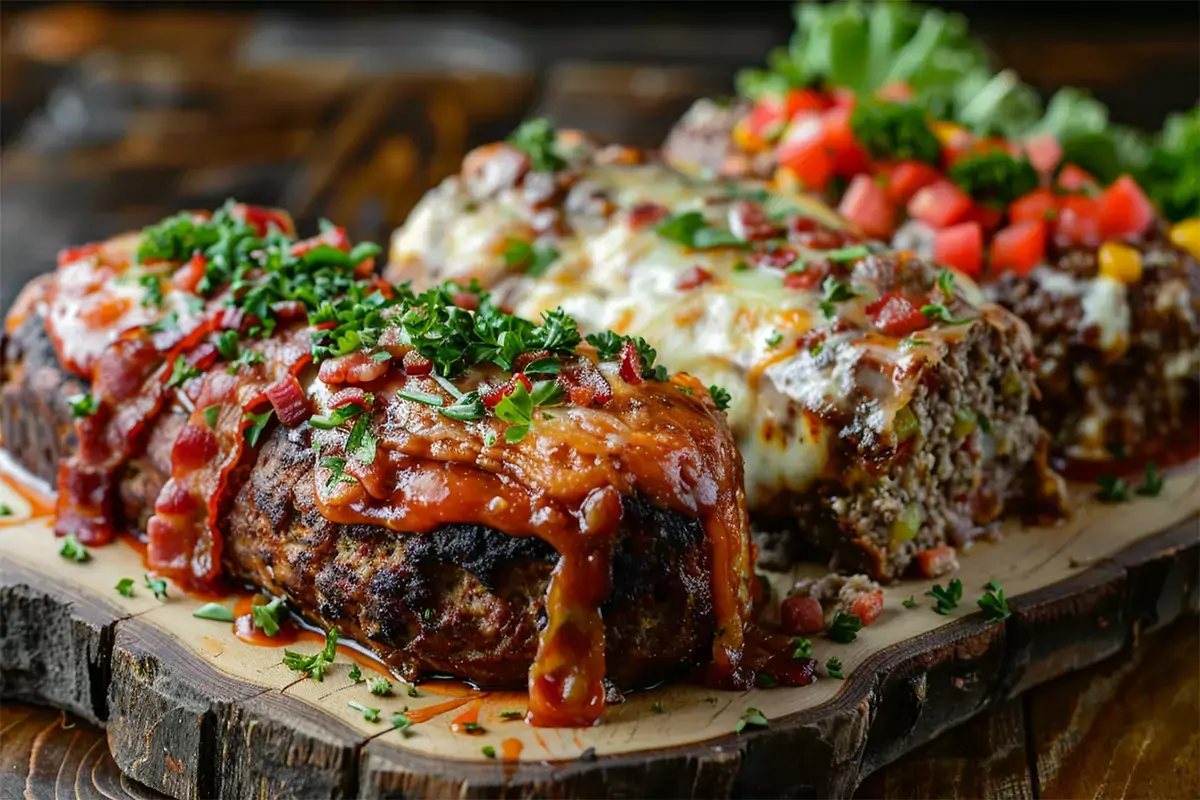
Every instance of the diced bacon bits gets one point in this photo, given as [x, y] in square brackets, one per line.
[584, 384]
[492, 168]
[356, 367]
[195, 446]
[287, 398]
[692, 277]
[748, 221]
[416, 364]
[492, 396]
[203, 355]
[631, 364]
[800, 616]
[775, 258]
[645, 215]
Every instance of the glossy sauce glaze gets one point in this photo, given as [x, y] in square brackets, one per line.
[603, 427]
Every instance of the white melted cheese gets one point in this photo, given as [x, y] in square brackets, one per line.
[737, 329]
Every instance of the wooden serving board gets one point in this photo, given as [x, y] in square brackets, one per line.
[194, 712]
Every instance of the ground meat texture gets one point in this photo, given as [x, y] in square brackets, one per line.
[976, 453]
[1098, 400]
[464, 600]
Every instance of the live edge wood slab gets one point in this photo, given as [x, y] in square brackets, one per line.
[193, 712]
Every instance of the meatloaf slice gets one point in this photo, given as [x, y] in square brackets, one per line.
[465, 599]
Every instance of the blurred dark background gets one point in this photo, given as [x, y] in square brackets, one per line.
[113, 115]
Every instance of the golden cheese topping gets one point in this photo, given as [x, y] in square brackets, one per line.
[818, 335]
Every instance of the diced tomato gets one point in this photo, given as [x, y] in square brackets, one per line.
[416, 364]
[896, 315]
[764, 123]
[939, 204]
[849, 157]
[804, 152]
[960, 246]
[631, 363]
[643, 215]
[1078, 220]
[800, 616]
[868, 606]
[584, 384]
[1044, 152]
[334, 237]
[866, 204]
[908, 177]
[936, 561]
[956, 141]
[263, 218]
[1076, 179]
[1019, 247]
[692, 277]
[776, 258]
[188, 276]
[895, 92]
[987, 217]
[69, 255]
[287, 398]
[805, 279]
[1040, 204]
[1125, 210]
[492, 396]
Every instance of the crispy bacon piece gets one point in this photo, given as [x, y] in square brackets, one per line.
[748, 221]
[356, 367]
[344, 397]
[492, 396]
[584, 384]
[631, 364]
[644, 215]
[287, 398]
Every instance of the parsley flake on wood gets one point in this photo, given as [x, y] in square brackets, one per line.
[314, 665]
[946, 599]
[764, 681]
[515, 714]
[156, 585]
[720, 397]
[1152, 483]
[379, 686]
[1112, 489]
[488, 751]
[124, 587]
[834, 666]
[802, 647]
[368, 713]
[82, 405]
[753, 718]
[215, 612]
[72, 550]
[355, 674]
[993, 602]
[909, 603]
[267, 616]
[412, 690]
[844, 628]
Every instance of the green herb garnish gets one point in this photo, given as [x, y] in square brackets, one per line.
[82, 405]
[802, 647]
[182, 371]
[937, 312]
[355, 674]
[835, 292]
[1112, 489]
[834, 667]
[536, 138]
[515, 714]
[488, 751]
[402, 723]
[720, 397]
[994, 178]
[691, 229]
[895, 131]
[909, 603]
[314, 665]
[379, 686]
[362, 443]
[154, 292]
[946, 599]
[215, 612]
[369, 714]
[531, 259]
[993, 602]
[267, 616]
[258, 424]
[72, 550]
[1152, 483]
[158, 586]
[844, 628]
[753, 718]
[210, 416]
[124, 587]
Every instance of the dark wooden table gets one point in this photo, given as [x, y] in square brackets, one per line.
[1126, 728]
[111, 117]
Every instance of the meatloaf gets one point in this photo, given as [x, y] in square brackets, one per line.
[446, 542]
[880, 405]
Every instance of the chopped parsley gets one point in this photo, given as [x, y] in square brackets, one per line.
[847, 253]
[835, 292]
[246, 358]
[5, 511]
[362, 443]
[1152, 483]
[531, 259]
[720, 397]
[518, 714]
[895, 131]
[945, 283]
[82, 405]
[844, 628]
[412, 690]
[402, 723]
[657, 708]
[909, 603]
[154, 292]
[472, 727]
[516, 408]
[379, 686]
[215, 612]
[911, 342]
[355, 674]
[802, 647]
[774, 339]
[267, 616]
[227, 345]
[536, 138]
[764, 681]
[182, 371]
[337, 470]
[314, 665]
[937, 312]
[336, 417]
[210, 416]
[994, 178]
[993, 602]
[753, 718]
[488, 751]
[1112, 489]
[258, 424]
[124, 587]
[691, 229]
[424, 398]
[72, 550]
[834, 667]
[368, 713]
[946, 599]
[158, 586]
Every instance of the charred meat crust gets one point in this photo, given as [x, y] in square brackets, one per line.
[465, 600]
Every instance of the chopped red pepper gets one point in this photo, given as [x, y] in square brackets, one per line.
[1040, 204]
[1125, 210]
[188, 276]
[631, 363]
[1019, 247]
[936, 561]
[960, 246]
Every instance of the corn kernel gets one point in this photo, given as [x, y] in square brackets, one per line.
[947, 132]
[745, 138]
[1120, 262]
[1187, 235]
